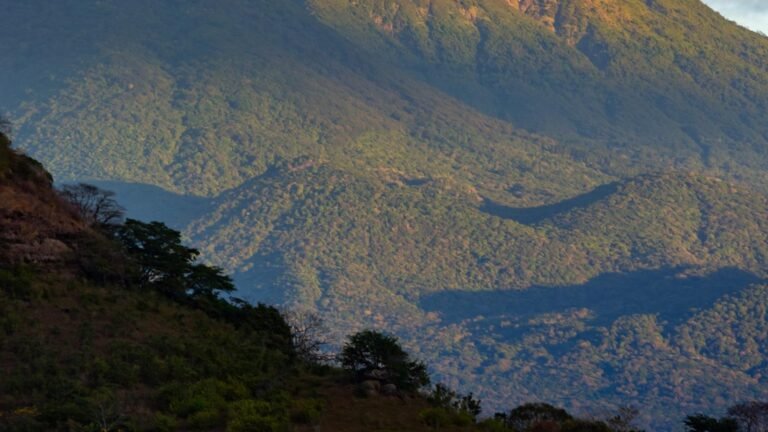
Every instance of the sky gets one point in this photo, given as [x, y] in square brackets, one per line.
[749, 13]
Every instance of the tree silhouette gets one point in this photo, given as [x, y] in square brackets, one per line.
[532, 415]
[168, 266]
[95, 205]
[308, 335]
[370, 353]
[703, 423]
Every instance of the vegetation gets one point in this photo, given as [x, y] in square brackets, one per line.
[97, 206]
[368, 160]
[166, 265]
[81, 354]
[372, 354]
[609, 283]
[742, 417]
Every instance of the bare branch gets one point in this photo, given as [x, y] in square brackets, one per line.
[97, 206]
[308, 332]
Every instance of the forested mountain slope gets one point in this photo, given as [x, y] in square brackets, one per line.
[141, 92]
[373, 159]
[85, 347]
[564, 303]
[659, 82]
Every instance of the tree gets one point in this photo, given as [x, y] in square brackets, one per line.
[163, 261]
[531, 415]
[205, 281]
[308, 335]
[468, 404]
[372, 353]
[263, 319]
[702, 423]
[167, 265]
[97, 206]
[751, 416]
[624, 419]
[443, 397]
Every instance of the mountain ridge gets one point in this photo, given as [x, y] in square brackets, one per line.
[345, 156]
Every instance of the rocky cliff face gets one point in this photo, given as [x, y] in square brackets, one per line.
[36, 226]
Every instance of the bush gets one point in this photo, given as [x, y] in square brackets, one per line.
[256, 415]
[530, 415]
[165, 423]
[203, 396]
[17, 283]
[306, 411]
[464, 405]
[436, 417]
[492, 425]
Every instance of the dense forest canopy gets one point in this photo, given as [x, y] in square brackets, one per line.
[392, 163]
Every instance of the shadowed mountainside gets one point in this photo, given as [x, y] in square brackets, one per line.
[533, 215]
[359, 156]
[667, 293]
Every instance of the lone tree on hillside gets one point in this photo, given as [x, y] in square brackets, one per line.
[373, 354]
[95, 205]
[530, 415]
[308, 332]
[168, 266]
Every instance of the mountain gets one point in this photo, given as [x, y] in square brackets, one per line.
[618, 77]
[559, 303]
[86, 345]
[389, 162]
[83, 350]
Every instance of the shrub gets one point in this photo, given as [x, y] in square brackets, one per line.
[165, 422]
[17, 283]
[436, 417]
[256, 415]
[306, 411]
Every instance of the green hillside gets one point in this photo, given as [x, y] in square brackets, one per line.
[374, 159]
[84, 347]
[667, 82]
[148, 108]
[89, 342]
[636, 260]
[146, 94]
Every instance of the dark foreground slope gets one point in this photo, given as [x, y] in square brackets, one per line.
[82, 351]
[84, 348]
[370, 159]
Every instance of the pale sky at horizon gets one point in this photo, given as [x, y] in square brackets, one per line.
[752, 14]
